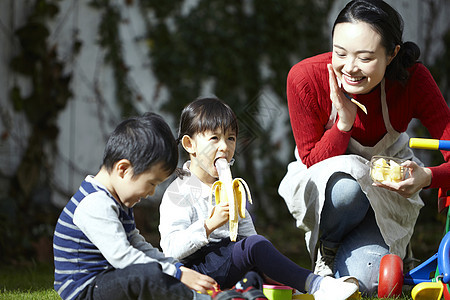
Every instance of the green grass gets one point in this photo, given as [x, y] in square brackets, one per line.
[30, 295]
[35, 282]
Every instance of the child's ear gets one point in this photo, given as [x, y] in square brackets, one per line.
[123, 167]
[188, 144]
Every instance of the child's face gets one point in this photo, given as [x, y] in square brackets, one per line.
[131, 189]
[206, 148]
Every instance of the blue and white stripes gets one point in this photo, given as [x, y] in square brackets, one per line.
[77, 260]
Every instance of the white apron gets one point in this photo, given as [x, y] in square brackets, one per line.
[303, 189]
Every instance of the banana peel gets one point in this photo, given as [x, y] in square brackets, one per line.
[231, 191]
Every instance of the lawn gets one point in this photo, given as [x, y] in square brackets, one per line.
[35, 282]
[32, 282]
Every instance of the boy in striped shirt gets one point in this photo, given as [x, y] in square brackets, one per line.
[98, 252]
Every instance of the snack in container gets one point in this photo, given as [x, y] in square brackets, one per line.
[385, 168]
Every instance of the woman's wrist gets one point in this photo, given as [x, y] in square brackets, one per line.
[344, 127]
[428, 177]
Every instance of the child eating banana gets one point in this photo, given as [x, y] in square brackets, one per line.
[197, 232]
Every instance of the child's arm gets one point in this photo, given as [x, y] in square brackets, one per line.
[186, 224]
[97, 217]
[246, 226]
[197, 281]
[181, 227]
[139, 242]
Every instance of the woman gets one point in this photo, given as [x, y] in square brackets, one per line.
[349, 219]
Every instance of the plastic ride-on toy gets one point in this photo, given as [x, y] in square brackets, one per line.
[431, 278]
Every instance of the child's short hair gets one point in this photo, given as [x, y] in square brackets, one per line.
[144, 141]
[206, 114]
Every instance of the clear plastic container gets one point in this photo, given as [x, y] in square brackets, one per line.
[385, 168]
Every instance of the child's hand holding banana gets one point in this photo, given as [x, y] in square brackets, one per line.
[230, 194]
[219, 216]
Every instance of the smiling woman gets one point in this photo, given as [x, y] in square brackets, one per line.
[350, 219]
[359, 59]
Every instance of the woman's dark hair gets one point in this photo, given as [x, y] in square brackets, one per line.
[389, 24]
[206, 114]
[145, 141]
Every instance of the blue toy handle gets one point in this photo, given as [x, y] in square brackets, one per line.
[444, 258]
[444, 145]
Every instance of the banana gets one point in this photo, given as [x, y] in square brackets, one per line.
[231, 191]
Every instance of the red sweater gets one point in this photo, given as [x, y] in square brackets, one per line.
[308, 94]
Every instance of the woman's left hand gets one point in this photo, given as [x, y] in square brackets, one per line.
[419, 177]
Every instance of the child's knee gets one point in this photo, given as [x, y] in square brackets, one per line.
[257, 239]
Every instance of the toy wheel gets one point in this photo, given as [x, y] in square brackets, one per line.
[390, 280]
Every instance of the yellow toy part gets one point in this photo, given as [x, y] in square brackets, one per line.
[231, 191]
[430, 144]
[428, 291]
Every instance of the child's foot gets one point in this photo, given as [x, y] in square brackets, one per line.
[336, 289]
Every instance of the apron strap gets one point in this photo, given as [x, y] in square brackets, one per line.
[385, 109]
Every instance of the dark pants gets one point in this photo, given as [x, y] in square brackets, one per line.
[228, 262]
[257, 253]
[140, 282]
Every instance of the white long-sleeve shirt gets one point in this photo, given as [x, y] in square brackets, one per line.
[184, 208]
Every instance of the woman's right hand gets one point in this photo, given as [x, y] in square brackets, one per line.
[219, 216]
[345, 108]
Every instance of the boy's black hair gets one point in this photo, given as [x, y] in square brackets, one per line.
[206, 114]
[144, 141]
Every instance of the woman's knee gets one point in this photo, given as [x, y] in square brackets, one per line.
[344, 192]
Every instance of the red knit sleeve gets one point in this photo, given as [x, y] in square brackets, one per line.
[309, 109]
[434, 113]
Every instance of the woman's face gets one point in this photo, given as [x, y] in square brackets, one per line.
[359, 59]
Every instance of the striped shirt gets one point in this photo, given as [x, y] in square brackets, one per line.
[95, 233]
